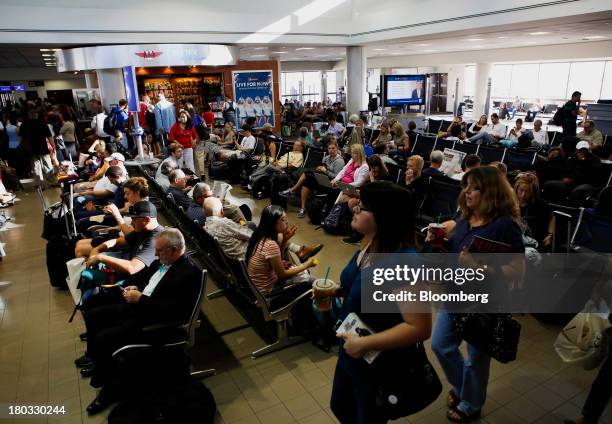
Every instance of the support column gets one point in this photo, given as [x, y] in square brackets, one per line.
[356, 90]
[91, 80]
[481, 89]
[112, 87]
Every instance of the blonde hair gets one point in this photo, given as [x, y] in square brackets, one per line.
[359, 153]
[497, 198]
[419, 162]
[530, 182]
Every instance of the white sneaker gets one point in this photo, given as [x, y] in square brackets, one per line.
[286, 193]
[301, 213]
[249, 187]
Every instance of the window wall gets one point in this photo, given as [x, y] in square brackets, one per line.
[546, 81]
[307, 86]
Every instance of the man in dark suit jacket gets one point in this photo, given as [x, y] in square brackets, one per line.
[164, 293]
[417, 93]
[178, 188]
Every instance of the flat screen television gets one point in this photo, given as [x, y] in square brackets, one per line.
[399, 90]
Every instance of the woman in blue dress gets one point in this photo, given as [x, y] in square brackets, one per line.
[395, 334]
[489, 209]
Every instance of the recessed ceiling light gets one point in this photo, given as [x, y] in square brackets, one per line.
[380, 50]
[260, 48]
[429, 51]
[594, 37]
[423, 45]
[539, 33]
[502, 37]
[257, 55]
[48, 55]
[46, 50]
[475, 39]
[279, 52]
[304, 48]
[56, 50]
[396, 53]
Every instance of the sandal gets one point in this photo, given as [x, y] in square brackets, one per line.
[452, 400]
[458, 416]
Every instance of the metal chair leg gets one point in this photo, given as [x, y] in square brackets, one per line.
[283, 341]
[215, 294]
[199, 375]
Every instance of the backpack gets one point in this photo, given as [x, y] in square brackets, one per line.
[317, 208]
[110, 123]
[338, 221]
[559, 116]
[278, 183]
[219, 170]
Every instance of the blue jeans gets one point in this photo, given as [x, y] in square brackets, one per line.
[468, 377]
[483, 138]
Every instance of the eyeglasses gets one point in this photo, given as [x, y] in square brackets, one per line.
[360, 208]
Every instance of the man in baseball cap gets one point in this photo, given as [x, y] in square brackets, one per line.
[117, 159]
[136, 249]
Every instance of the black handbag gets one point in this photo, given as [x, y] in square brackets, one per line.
[403, 391]
[497, 335]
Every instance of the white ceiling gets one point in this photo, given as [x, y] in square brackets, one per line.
[567, 31]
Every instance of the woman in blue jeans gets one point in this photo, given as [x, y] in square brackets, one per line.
[353, 398]
[489, 209]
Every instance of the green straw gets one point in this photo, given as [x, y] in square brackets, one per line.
[438, 219]
[326, 275]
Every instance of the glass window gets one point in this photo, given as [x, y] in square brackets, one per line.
[312, 86]
[404, 71]
[501, 75]
[331, 85]
[525, 81]
[606, 89]
[373, 80]
[470, 81]
[586, 77]
[553, 81]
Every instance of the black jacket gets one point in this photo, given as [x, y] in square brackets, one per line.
[584, 171]
[180, 197]
[174, 297]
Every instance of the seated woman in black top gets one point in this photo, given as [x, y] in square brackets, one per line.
[396, 334]
[535, 212]
[416, 182]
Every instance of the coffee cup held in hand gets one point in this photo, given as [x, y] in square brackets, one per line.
[323, 291]
[438, 232]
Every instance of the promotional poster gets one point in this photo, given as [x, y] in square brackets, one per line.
[254, 96]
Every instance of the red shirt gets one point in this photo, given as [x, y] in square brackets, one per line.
[142, 115]
[209, 118]
[182, 136]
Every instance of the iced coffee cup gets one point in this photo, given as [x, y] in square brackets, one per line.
[324, 290]
[439, 231]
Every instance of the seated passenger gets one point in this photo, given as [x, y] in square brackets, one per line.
[165, 169]
[269, 266]
[591, 134]
[540, 136]
[436, 158]
[232, 237]
[134, 251]
[382, 151]
[175, 152]
[470, 162]
[102, 192]
[455, 133]
[246, 145]
[331, 166]
[202, 191]
[178, 188]
[289, 161]
[355, 172]
[536, 215]
[164, 293]
[491, 133]
[416, 182]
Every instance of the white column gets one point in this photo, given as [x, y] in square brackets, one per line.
[356, 90]
[483, 72]
[91, 80]
[112, 87]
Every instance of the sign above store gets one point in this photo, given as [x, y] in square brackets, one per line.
[149, 54]
[105, 57]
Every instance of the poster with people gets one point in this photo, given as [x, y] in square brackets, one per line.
[254, 97]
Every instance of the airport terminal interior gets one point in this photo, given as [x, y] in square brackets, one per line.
[196, 199]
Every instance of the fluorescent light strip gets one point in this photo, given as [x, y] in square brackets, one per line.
[304, 48]
[539, 33]
[475, 39]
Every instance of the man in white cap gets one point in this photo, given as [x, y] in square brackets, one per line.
[117, 159]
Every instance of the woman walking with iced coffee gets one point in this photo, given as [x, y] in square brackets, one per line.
[354, 391]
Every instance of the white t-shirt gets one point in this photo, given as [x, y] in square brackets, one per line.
[105, 184]
[540, 137]
[97, 124]
[248, 142]
[498, 130]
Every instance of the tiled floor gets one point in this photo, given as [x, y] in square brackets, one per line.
[38, 346]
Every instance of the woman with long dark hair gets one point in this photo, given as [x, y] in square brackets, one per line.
[396, 334]
[184, 133]
[268, 263]
[489, 209]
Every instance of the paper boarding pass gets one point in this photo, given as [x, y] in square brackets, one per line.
[353, 325]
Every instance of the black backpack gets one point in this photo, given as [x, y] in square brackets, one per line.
[279, 182]
[110, 123]
[559, 116]
[317, 208]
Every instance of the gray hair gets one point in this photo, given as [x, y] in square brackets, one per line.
[213, 206]
[167, 167]
[436, 156]
[174, 238]
[200, 189]
[353, 118]
[175, 175]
